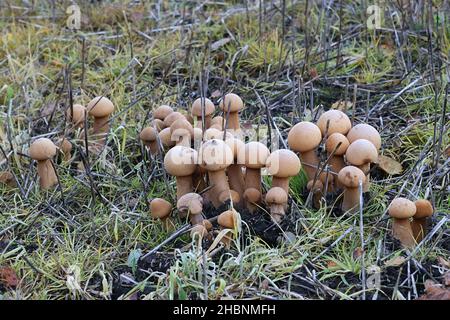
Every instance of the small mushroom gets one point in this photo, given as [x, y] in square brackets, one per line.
[283, 164]
[181, 132]
[162, 112]
[252, 197]
[337, 122]
[336, 161]
[229, 195]
[228, 220]
[100, 108]
[76, 115]
[191, 205]
[401, 210]
[349, 177]
[148, 136]
[196, 111]
[234, 104]
[362, 153]
[172, 117]
[304, 138]
[317, 192]
[66, 148]
[198, 230]
[235, 170]
[43, 150]
[276, 199]
[157, 124]
[165, 138]
[424, 210]
[365, 131]
[254, 156]
[160, 209]
[216, 156]
[181, 162]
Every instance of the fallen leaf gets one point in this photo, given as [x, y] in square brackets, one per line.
[435, 291]
[8, 277]
[389, 165]
[342, 105]
[331, 264]
[443, 262]
[395, 262]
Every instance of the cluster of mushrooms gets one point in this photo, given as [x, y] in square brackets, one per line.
[213, 166]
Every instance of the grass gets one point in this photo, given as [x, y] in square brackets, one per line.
[81, 240]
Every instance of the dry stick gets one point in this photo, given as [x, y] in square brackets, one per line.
[361, 234]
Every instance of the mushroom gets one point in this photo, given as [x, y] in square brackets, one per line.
[304, 138]
[362, 153]
[198, 230]
[424, 210]
[216, 156]
[252, 197]
[228, 220]
[181, 162]
[100, 108]
[76, 115]
[336, 161]
[148, 136]
[157, 124]
[160, 209]
[181, 132]
[317, 192]
[234, 104]
[162, 112]
[229, 195]
[276, 199]
[365, 131]
[165, 137]
[66, 148]
[254, 156]
[283, 164]
[172, 117]
[217, 123]
[191, 204]
[7, 178]
[234, 171]
[196, 111]
[338, 122]
[349, 177]
[401, 210]
[43, 150]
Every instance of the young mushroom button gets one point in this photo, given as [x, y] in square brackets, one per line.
[198, 106]
[283, 164]
[149, 138]
[401, 210]
[160, 209]
[304, 138]
[338, 122]
[350, 177]
[232, 103]
[276, 199]
[162, 112]
[191, 204]
[100, 108]
[365, 131]
[43, 150]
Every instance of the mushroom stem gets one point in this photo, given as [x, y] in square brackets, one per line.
[253, 179]
[219, 181]
[196, 219]
[233, 121]
[310, 157]
[184, 185]
[281, 182]
[277, 211]
[47, 174]
[401, 230]
[101, 125]
[236, 179]
[351, 200]
[336, 164]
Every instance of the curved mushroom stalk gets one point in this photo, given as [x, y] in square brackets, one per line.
[100, 108]
[231, 104]
[191, 204]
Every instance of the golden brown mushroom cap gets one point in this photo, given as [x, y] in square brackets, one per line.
[254, 155]
[148, 134]
[215, 155]
[252, 195]
[42, 149]
[100, 107]
[166, 138]
[232, 100]
[160, 208]
[424, 209]
[172, 117]
[276, 195]
[228, 219]
[332, 142]
[349, 176]
[360, 152]
[196, 109]
[283, 163]
[402, 208]
[190, 202]
[304, 136]
[78, 114]
[365, 131]
[180, 161]
[229, 195]
[162, 112]
[339, 122]
[235, 145]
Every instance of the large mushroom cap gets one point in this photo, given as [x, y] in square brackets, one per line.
[192, 202]
[402, 208]
[162, 112]
[232, 101]
[349, 176]
[42, 149]
[78, 114]
[365, 131]
[160, 208]
[180, 161]
[360, 152]
[254, 155]
[276, 195]
[333, 140]
[196, 109]
[339, 122]
[424, 209]
[172, 117]
[304, 136]
[100, 107]
[235, 145]
[228, 219]
[215, 155]
[283, 163]
[148, 134]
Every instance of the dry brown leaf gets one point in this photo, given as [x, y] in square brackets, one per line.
[8, 277]
[342, 105]
[395, 262]
[389, 165]
[435, 291]
[443, 262]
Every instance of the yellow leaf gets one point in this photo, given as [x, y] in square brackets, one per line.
[395, 262]
[389, 165]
